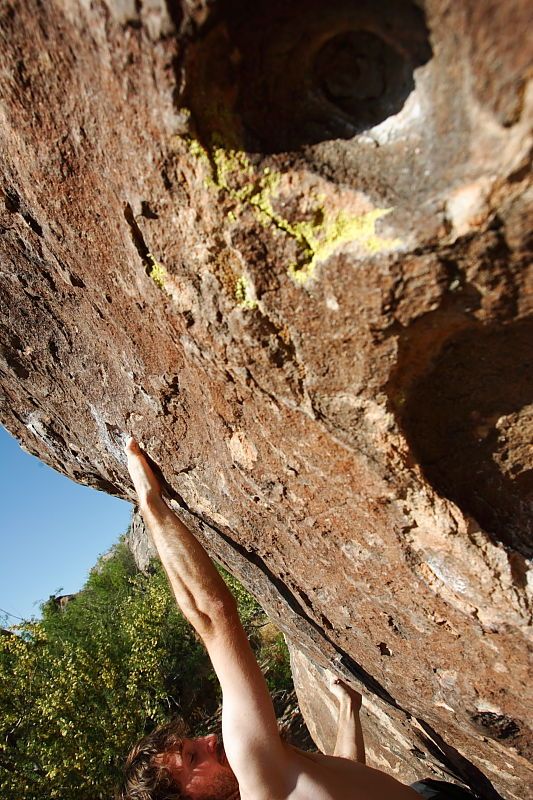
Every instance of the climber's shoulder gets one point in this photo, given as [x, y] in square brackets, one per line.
[331, 778]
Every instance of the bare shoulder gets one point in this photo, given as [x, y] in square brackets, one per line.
[324, 777]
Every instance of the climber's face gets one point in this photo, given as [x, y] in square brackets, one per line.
[201, 769]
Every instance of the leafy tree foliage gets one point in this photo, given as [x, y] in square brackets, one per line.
[79, 687]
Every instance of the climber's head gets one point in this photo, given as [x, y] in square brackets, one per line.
[201, 770]
[166, 765]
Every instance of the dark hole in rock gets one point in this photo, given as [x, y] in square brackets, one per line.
[13, 204]
[148, 212]
[498, 726]
[12, 201]
[275, 76]
[76, 280]
[54, 351]
[392, 624]
[32, 222]
[13, 362]
[326, 623]
[469, 421]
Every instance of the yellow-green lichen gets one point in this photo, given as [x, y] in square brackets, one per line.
[260, 199]
[156, 271]
[196, 149]
[243, 293]
[317, 237]
[228, 164]
[320, 241]
[232, 172]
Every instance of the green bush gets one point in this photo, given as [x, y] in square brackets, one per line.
[79, 687]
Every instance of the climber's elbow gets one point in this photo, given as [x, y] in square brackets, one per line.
[214, 617]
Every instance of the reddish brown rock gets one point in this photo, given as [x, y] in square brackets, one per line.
[309, 295]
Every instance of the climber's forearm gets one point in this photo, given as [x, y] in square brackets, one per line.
[350, 743]
[200, 592]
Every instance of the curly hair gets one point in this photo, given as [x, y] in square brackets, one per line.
[145, 778]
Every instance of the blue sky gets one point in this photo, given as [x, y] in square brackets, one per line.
[52, 530]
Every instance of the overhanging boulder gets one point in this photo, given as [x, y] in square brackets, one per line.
[287, 248]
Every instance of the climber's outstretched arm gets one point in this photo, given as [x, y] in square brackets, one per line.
[251, 739]
[350, 743]
[200, 592]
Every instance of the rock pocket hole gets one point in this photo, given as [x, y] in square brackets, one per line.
[274, 76]
[497, 726]
[469, 421]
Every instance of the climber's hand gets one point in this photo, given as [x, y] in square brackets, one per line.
[146, 484]
[343, 692]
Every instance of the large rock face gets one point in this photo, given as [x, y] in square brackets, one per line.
[286, 246]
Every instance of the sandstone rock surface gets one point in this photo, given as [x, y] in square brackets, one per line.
[288, 247]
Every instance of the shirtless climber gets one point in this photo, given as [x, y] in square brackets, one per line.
[254, 764]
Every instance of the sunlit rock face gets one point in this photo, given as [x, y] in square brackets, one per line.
[140, 543]
[287, 247]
